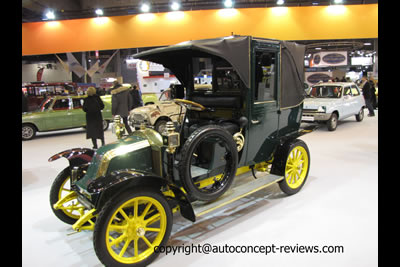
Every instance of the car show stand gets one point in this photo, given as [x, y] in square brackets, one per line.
[243, 185]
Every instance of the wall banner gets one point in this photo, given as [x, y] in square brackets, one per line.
[327, 59]
[315, 77]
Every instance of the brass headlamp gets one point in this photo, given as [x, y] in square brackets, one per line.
[170, 137]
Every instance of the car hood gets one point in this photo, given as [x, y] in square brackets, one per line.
[314, 103]
[148, 108]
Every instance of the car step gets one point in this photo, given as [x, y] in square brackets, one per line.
[243, 185]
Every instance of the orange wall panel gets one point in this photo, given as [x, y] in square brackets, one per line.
[285, 23]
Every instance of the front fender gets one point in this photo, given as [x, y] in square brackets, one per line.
[75, 156]
[107, 187]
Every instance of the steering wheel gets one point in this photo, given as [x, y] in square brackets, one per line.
[189, 104]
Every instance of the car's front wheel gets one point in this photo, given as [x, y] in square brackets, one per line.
[332, 122]
[70, 211]
[131, 226]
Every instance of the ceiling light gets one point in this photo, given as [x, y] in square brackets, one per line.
[280, 2]
[50, 15]
[338, 1]
[99, 12]
[175, 6]
[145, 7]
[228, 3]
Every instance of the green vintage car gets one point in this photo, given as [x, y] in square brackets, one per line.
[60, 112]
[247, 121]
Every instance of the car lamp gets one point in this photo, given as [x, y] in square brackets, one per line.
[171, 138]
[321, 109]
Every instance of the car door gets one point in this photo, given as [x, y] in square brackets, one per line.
[264, 117]
[358, 99]
[78, 116]
[346, 109]
[58, 116]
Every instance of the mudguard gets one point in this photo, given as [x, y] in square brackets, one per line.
[75, 156]
[108, 186]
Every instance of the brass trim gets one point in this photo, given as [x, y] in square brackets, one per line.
[120, 150]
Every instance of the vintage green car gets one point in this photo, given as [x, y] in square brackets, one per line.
[60, 112]
[247, 121]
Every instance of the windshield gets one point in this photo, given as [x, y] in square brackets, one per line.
[326, 91]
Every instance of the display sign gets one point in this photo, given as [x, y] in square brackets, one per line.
[315, 77]
[327, 59]
[363, 61]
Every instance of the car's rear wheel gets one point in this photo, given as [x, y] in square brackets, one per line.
[130, 227]
[297, 167]
[360, 115]
[105, 125]
[28, 132]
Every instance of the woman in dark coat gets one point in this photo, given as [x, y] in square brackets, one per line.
[94, 120]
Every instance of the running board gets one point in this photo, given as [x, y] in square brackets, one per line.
[244, 185]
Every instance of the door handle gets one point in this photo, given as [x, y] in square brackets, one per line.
[255, 121]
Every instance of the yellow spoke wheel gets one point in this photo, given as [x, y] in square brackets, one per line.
[71, 210]
[296, 167]
[129, 227]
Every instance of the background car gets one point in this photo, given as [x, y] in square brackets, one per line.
[330, 102]
[157, 115]
[60, 112]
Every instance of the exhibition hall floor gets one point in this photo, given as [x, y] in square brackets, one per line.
[337, 207]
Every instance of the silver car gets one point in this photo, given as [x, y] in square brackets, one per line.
[331, 102]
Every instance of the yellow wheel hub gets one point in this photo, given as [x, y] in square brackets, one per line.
[296, 167]
[135, 228]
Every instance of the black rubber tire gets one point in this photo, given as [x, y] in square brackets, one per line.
[28, 128]
[332, 122]
[106, 124]
[54, 190]
[188, 149]
[158, 124]
[286, 152]
[360, 115]
[108, 210]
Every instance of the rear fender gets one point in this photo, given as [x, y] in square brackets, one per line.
[75, 156]
[117, 181]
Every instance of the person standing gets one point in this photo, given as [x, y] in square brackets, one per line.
[94, 120]
[121, 102]
[136, 97]
[367, 93]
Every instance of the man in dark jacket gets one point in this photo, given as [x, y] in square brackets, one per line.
[367, 93]
[121, 101]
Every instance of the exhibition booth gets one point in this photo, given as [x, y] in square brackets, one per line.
[229, 160]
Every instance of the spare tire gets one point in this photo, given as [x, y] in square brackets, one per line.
[210, 151]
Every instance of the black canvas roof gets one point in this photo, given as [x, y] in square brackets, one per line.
[236, 50]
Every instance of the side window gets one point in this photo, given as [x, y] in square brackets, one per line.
[202, 74]
[61, 104]
[77, 103]
[347, 91]
[265, 76]
[354, 90]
